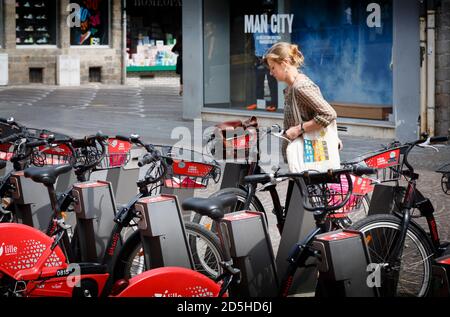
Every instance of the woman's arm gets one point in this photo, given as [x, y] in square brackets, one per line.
[310, 96]
[308, 126]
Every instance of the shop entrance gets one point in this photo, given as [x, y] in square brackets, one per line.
[153, 28]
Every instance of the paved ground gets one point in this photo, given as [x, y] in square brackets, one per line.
[153, 110]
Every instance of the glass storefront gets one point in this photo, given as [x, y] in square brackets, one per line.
[153, 27]
[94, 21]
[36, 22]
[347, 46]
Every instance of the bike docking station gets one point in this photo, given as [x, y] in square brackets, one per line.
[31, 200]
[121, 168]
[162, 231]
[251, 251]
[95, 209]
[339, 276]
[342, 265]
[298, 224]
[440, 286]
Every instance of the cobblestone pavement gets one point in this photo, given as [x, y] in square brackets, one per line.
[153, 109]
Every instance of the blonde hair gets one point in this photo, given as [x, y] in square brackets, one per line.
[283, 51]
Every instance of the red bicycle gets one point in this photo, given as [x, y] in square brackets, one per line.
[34, 264]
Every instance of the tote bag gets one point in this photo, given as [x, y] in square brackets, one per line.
[318, 150]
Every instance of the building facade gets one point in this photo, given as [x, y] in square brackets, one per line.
[443, 68]
[37, 33]
[364, 55]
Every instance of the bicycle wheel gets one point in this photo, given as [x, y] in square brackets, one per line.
[206, 250]
[414, 274]
[205, 247]
[241, 195]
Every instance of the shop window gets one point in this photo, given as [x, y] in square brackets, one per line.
[36, 75]
[347, 53]
[153, 28]
[36, 22]
[91, 23]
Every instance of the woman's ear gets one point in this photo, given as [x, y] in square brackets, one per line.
[285, 62]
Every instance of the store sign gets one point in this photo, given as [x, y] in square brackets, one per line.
[276, 23]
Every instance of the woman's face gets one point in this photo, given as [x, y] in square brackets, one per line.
[276, 70]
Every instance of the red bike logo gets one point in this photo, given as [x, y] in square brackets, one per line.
[8, 250]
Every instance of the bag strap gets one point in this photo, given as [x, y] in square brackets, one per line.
[295, 110]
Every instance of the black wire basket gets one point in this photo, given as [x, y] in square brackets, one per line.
[187, 168]
[388, 163]
[52, 155]
[328, 195]
[117, 154]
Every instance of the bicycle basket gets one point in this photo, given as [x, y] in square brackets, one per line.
[117, 154]
[388, 164]
[188, 169]
[324, 194]
[55, 155]
[235, 140]
[361, 186]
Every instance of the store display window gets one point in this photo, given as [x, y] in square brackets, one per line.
[347, 49]
[93, 19]
[36, 22]
[153, 28]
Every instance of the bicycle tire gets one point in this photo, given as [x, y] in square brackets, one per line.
[130, 261]
[241, 195]
[380, 233]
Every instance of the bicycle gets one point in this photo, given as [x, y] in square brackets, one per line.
[186, 173]
[22, 147]
[356, 208]
[321, 203]
[401, 247]
[445, 179]
[47, 265]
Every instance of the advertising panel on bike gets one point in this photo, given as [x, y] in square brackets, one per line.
[384, 160]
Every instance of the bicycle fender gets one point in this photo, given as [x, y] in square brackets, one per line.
[170, 282]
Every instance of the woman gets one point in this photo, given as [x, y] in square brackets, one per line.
[284, 60]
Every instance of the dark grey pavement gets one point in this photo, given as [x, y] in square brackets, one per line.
[153, 109]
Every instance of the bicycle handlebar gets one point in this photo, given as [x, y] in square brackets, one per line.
[317, 178]
[35, 144]
[439, 139]
[330, 174]
[11, 138]
[89, 140]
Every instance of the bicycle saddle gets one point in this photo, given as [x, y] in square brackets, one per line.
[211, 207]
[46, 175]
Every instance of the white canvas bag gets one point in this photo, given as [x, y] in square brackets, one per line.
[318, 150]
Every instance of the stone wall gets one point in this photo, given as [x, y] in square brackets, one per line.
[21, 59]
[443, 68]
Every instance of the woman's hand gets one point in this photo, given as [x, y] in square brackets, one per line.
[293, 133]
[340, 145]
